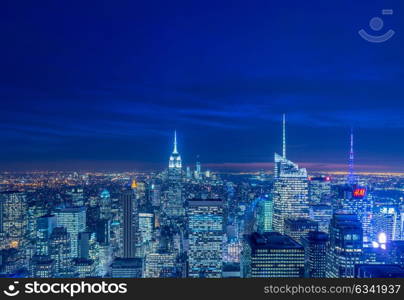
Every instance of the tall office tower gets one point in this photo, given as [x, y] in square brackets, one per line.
[103, 232]
[77, 196]
[346, 245]
[205, 232]
[84, 244]
[74, 220]
[45, 226]
[13, 219]
[290, 190]
[160, 264]
[59, 251]
[299, 228]
[386, 220]
[129, 223]
[315, 254]
[155, 191]
[319, 189]
[127, 268]
[174, 206]
[105, 205]
[146, 225]
[232, 246]
[355, 199]
[271, 254]
[198, 169]
[188, 174]
[105, 259]
[35, 209]
[322, 214]
[265, 215]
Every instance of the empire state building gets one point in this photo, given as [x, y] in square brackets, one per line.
[175, 158]
[174, 205]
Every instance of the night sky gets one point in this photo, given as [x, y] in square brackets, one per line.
[102, 85]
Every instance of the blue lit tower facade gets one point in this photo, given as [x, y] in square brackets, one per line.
[355, 198]
[45, 226]
[174, 205]
[315, 251]
[290, 190]
[206, 237]
[59, 251]
[13, 219]
[345, 247]
[271, 254]
[74, 220]
[129, 223]
[105, 205]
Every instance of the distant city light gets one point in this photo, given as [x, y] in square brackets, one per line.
[382, 238]
[359, 192]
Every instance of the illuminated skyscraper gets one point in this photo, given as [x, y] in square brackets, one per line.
[174, 205]
[198, 169]
[346, 245]
[290, 191]
[77, 196]
[206, 233]
[74, 220]
[175, 158]
[159, 264]
[130, 223]
[59, 251]
[13, 219]
[386, 219]
[105, 205]
[146, 221]
[45, 226]
[265, 215]
[272, 254]
[315, 251]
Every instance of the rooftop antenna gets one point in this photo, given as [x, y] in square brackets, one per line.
[351, 176]
[284, 137]
[175, 142]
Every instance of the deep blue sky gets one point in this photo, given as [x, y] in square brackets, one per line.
[102, 85]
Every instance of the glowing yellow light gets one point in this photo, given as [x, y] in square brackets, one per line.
[134, 184]
[14, 244]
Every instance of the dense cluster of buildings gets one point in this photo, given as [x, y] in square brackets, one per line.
[189, 223]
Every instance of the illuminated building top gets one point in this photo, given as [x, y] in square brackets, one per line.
[175, 158]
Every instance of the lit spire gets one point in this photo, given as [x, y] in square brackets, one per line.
[351, 176]
[284, 137]
[175, 142]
